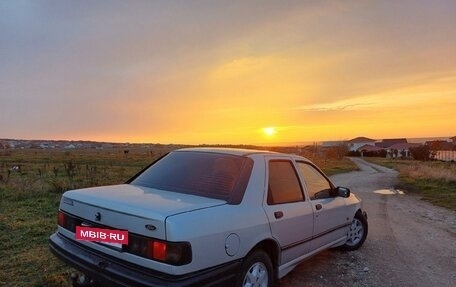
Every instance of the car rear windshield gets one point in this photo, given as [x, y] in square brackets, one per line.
[213, 175]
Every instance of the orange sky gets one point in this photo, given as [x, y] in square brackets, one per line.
[206, 72]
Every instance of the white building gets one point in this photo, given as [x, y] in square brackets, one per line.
[356, 143]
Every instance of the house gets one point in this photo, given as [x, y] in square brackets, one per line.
[386, 143]
[440, 145]
[395, 148]
[371, 150]
[43, 146]
[70, 146]
[454, 140]
[356, 143]
[400, 150]
[442, 150]
[14, 144]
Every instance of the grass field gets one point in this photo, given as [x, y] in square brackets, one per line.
[31, 184]
[435, 181]
[29, 200]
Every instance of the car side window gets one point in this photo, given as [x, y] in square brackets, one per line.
[283, 184]
[317, 185]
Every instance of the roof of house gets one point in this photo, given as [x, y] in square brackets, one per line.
[368, 147]
[386, 143]
[404, 146]
[440, 145]
[361, 140]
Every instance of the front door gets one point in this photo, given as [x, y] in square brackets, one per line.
[330, 219]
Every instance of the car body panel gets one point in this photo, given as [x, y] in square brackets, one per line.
[142, 201]
[300, 216]
[117, 273]
[285, 268]
[331, 222]
[131, 207]
[249, 225]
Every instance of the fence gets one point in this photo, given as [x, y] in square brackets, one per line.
[445, 155]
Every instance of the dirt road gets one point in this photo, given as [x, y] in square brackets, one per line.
[410, 242]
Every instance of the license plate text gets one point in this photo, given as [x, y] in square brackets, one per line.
[101, 235]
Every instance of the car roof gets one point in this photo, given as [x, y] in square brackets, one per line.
[239, 151]
[230, 151]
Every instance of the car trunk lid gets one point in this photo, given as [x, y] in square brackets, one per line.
[138, 209]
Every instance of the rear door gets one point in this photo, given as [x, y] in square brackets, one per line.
[289, 212]
[331, 220]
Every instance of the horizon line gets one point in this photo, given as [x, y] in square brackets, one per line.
[297, 143]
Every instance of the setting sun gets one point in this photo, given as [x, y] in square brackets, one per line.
[269, 131]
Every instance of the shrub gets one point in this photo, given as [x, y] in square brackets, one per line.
[421, 153]
[354, 153]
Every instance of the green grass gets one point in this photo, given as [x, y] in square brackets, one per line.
[389, 163]
[27, 221]
[331, 167]
[438, 192]
[434, 181]
[29, 201]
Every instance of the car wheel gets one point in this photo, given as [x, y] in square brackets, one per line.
[357, 233]
[256, 271]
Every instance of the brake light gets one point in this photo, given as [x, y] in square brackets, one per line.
[175, 253]
[61, 220]
[67, 221]
[158, 250]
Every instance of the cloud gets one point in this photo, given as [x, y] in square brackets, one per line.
[335, 107]
[409, 94]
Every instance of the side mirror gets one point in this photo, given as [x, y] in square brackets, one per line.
[343, 191]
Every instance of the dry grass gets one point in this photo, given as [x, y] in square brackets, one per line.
[435, 181]
[429, 170]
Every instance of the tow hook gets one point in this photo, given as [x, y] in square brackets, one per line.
[81, 280]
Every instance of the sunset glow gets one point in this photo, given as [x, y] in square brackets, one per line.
[269, 131]
[223, 72]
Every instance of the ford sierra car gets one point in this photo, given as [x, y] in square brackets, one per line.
[207, 217]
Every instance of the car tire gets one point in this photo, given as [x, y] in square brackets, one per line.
[357, 233]
[256, 270]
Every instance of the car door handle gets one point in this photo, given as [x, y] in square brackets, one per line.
[278, 214]
[318, 206]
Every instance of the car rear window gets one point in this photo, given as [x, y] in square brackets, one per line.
[213, 175]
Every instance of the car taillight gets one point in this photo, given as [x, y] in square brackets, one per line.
[175, 253]
[158, 250]
[67, 221]
[61, 219]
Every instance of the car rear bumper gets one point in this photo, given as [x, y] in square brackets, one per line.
[114, 272]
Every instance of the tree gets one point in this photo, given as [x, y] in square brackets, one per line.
[421, 153]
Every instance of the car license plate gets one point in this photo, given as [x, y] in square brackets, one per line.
[110, 237]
